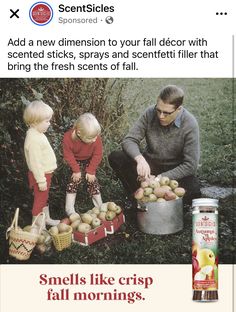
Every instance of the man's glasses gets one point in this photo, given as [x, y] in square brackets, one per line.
[165, 113]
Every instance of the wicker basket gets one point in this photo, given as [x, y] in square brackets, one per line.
[22, 243]
[62, 240]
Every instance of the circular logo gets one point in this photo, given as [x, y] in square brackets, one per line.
[109, 19]
[41, 13]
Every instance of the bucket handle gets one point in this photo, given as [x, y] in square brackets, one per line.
[142, 207]
[14, 223]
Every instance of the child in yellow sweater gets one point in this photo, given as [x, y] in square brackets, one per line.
[39, 155]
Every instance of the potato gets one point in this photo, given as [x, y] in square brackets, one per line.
[102, 215]
[95, 223]
[179, 191]
[41, 248]
[87, 218]
[74, 216]
[41, 239]
[96, 210]
[75, 224]
[66, 221]
[27, 228]
[62, 227]
[34, 230]
[54, 230]
[110, 215]
[93, 215]
[118, 210]
[103, 207]
[19, 229]
[84, 228]
[111, 206]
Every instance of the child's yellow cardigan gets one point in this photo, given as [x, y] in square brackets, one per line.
[39, 155]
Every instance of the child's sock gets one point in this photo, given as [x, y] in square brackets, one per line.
[97, 200]
[48, 219]
[70, 203]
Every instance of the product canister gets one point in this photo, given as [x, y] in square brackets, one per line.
[205, 249]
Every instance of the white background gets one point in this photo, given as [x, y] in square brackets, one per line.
[171, 290]
[181, 19]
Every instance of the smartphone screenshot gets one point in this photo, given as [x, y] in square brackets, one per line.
[117, 155]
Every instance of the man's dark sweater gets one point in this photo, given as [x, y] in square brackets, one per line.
[176, 145]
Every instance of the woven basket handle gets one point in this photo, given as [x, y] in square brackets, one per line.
[42, 215]
[14, 223]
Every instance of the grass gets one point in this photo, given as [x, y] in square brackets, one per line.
[210, 100]
[129, 245]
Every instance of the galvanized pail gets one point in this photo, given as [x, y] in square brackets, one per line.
[160, 217]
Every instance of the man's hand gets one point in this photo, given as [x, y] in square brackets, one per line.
[76, 176]
[143, 168]
[90, 177]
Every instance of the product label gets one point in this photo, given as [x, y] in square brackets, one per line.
[205, 251]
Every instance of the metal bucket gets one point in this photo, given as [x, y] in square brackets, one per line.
[161, 218]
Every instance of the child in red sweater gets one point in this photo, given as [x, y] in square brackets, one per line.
[82, 150]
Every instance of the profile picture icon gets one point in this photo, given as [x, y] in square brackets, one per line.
[41, 13]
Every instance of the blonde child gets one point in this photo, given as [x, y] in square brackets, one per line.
[39, 155]
[82, 150]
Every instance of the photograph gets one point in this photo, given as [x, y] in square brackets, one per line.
[108, 170]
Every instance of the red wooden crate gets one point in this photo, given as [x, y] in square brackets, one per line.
[92, 236]
[114, 225]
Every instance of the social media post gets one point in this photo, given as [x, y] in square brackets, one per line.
[115, 117]
[136, 42]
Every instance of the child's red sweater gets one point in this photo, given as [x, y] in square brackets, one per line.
[74, 150]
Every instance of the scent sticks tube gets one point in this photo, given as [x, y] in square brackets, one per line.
[205, 249]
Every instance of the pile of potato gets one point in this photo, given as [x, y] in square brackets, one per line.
[89, 220]
[159, 190]
[62, 227]
[108, 211]
[44, 241]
